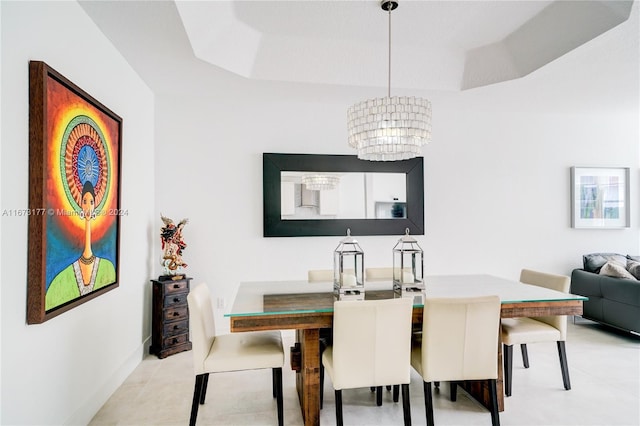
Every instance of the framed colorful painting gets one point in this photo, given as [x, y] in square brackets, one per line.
[600, 197]
[74, 195]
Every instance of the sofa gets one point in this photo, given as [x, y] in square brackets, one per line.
[610, 281]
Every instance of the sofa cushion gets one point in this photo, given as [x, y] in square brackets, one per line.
[634, 268]
[594, 261]
[614, 269]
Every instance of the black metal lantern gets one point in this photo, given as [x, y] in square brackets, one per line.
[408, 266]
[348, 267]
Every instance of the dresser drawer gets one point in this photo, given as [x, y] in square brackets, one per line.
[175, 340]
[175, 299]
[173, 287]
[175, 327]
[176, 313]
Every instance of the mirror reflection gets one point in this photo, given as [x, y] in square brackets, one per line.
[349, 195]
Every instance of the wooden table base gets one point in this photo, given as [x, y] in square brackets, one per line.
[308, 377]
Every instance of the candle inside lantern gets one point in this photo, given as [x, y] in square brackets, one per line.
[348, 280]
[407, 277]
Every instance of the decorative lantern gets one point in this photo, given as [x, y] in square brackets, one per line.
[348, 267]
[408, 266]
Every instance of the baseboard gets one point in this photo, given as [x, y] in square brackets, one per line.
[92, 404]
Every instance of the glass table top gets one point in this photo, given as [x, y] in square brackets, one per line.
[290, 297]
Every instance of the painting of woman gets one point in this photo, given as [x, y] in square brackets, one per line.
[81, 239]
[88, 272]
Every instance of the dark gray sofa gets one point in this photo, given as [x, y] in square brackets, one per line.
[612, 301]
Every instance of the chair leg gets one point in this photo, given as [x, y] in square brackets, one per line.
[508, 367]
[277, 384]
[203, 391]
[321, 384]
[323, 345]
[197, 392]
[406, 404]
[396, 393]
[273, 383]
[339, 421]
[378, 396]
[428, 403]
[493, 393]
[562, 353]
[453, 388]
[525, 355]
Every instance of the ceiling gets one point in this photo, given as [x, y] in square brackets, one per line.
[435, 45]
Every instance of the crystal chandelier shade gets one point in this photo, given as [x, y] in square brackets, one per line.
[320, 182]
[390, 128]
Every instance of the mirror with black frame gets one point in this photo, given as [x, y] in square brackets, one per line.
[324, 195]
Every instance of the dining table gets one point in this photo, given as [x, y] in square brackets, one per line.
[307, 308]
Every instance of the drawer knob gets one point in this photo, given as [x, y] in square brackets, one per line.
[176, 299]
[176, 314]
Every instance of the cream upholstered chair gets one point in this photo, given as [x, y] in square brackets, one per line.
[378, 274]
[371, 347]
[533, 330]
[229, 352]
[459, 342]
[373, 275]
[320, 275]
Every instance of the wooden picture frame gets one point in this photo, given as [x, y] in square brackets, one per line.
[74, 195]
[600, 197]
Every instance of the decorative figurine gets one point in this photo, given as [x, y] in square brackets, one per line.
[172, 247]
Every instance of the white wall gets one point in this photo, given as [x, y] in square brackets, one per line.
[497, 193]
[62, 371]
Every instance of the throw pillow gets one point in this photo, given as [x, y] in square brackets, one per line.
[594, 261]
[634, 268]
[614, 269]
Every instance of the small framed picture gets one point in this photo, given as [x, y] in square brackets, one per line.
[600, 197]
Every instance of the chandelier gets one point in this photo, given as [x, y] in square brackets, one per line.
[390, 128]
[319, 182]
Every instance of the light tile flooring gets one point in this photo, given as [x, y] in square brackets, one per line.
[605, 378]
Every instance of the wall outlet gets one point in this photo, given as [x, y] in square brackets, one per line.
[221, 304]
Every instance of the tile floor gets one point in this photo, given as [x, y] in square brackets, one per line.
[605, 377]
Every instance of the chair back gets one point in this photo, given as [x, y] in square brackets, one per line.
[378, 274]
[460, 338]
[320, 275]
[553, 282]
[323, 275]
[201, 322]
[371, 342]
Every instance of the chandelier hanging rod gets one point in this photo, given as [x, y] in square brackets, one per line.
[389, 6]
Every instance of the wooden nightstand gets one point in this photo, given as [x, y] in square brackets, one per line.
[170, 317]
